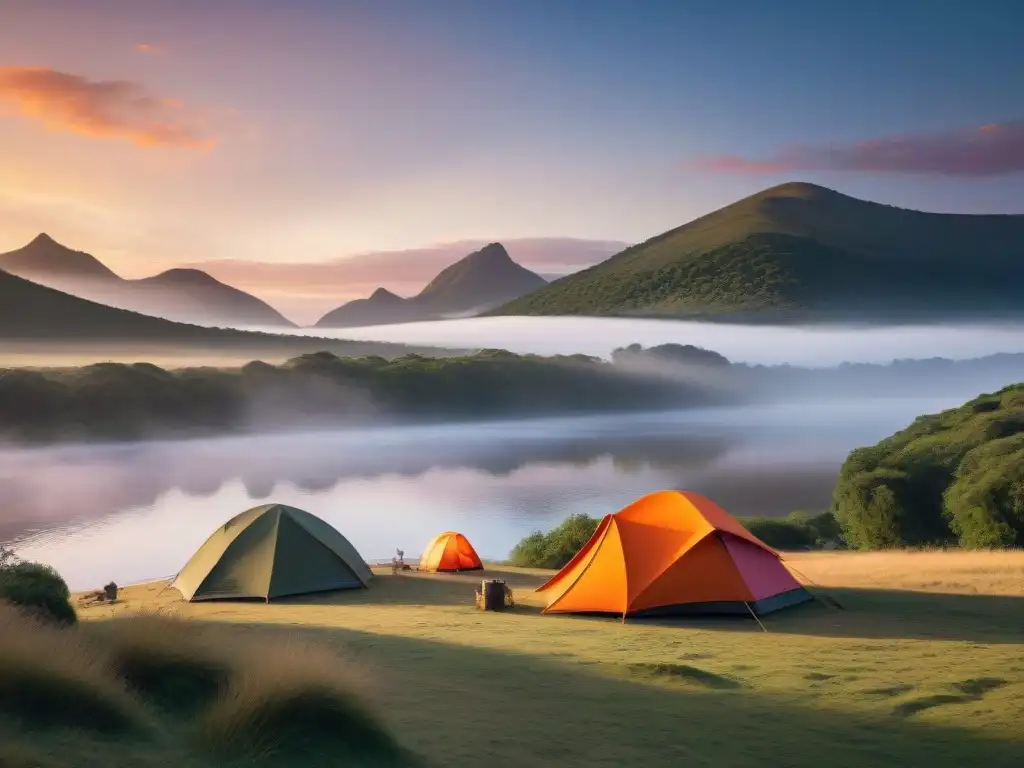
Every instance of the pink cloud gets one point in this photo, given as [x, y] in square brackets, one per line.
[152, 48]
[988, 150]
[102, 109]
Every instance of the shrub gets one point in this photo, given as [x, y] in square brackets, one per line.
[985, 502]
[38, 588]
[557, 547]
[780, 533]
[953, 477]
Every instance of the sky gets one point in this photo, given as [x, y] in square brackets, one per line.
[154, 134]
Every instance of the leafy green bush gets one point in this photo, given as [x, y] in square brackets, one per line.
[780, 533]
[800, 530]
[36, 587]
[557, 547]
[986, 499]
[956, 477]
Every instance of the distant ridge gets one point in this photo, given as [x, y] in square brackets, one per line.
[187, 295]
[483, 279]
[801, 251]
[38, 315]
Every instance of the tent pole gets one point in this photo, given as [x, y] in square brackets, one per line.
[754, 615]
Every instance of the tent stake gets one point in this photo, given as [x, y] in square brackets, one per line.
[754, 615]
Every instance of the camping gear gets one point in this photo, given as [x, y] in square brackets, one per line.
[449, 552]
[272, 551]
[494, 595]
[673, 552]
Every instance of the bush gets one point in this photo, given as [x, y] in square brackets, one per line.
[37, 588]
[800, 530]
[951, 478]
[985, 502]
[780, 533]
[557, 547]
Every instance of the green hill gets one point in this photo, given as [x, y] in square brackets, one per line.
[800, 250]
[956, 477]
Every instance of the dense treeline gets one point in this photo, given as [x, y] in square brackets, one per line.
[956, 477]
[121, 401]
[915, 377]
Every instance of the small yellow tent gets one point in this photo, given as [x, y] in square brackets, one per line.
[450, 551]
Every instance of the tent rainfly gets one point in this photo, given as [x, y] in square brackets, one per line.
[673, 552]
[450, 551]
[271, 551]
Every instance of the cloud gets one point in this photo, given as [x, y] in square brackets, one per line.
[988, 150]
[152, 48]
[102, 109]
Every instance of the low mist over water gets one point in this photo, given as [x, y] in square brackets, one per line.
[767, 345]
[136, 512]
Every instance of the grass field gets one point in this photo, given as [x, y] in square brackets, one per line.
[923, 665]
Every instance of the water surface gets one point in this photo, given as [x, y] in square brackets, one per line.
[136, 512]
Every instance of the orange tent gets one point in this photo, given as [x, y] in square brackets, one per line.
[672, 552]
[450, 551]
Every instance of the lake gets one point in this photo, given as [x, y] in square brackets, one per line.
[137, 512]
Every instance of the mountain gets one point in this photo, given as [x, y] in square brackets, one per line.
[801, 251]
[381, 308]
[45, 257]
[484, 279]
[192, 293]
[186, 295]
[33, 316]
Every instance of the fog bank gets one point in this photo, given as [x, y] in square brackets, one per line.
[813, 346]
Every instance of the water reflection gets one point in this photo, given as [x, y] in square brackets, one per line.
[136, 512]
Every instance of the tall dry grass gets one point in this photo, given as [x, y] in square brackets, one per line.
[968, 572]
[230, 694]
[300, 702]
[52, 677]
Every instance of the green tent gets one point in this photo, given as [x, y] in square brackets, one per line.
[271, 551]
